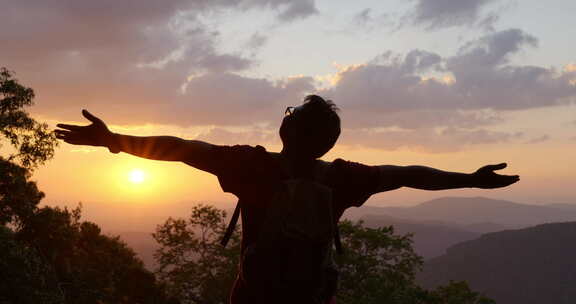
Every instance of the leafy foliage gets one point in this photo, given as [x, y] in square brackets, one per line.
[32, 144]
[26, 277]
[53, 257]
[192, 263]
[32, 141]
[456, 292]
[18, 195]
[91, 267]
[378, 266]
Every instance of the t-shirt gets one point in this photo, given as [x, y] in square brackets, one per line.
[252, 174]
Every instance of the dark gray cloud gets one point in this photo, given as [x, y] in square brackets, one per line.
[294, 9]
[436, 14]
[256, 41]
[368, 20]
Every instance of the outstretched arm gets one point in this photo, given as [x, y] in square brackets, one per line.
[425, 178]
[167, 148]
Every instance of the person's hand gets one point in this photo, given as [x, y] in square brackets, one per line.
[96, 134]
[486, 178]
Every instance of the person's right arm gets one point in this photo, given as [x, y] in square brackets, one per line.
[167, 148]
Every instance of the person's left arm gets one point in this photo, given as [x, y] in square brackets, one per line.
[426, 178]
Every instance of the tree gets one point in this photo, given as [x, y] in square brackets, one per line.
[192, 263]
[31, 144]
[53, 256]
[90, 267]
[378, 266]
[19, 196]
[456, 292]
[25, 276]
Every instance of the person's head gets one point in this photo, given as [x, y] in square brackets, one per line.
[310, 130]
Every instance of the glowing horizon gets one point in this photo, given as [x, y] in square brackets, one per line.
[450, 88]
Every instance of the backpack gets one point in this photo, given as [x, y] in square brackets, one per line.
[293, 254]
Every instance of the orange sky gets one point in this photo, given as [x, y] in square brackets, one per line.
[100, 179]
[452, 87]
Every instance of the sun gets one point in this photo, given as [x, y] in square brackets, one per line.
[136, 176]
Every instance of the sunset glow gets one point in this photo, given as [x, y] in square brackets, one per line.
[136, 176]
[416, 83]
[438, 134]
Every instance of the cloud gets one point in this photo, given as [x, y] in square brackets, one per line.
[294, 9]
[251, 136]
[437, 14]
[484, 74]
[146, 61]
[256, 41]
[115, 55]
[367, 20]
[422, 100]
[432, 140]
[230, 99]
[476, 84]
[539, 139]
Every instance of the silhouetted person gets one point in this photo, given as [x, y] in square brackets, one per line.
[254, 175]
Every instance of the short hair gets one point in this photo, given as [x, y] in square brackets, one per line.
[312, 130]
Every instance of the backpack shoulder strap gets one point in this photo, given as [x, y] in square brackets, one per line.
[337, 241]
[322, 171]
[231, 225]
[321, 174]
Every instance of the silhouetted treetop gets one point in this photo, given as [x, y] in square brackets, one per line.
[32, 142]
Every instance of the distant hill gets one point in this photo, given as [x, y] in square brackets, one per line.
[528, 266]
[436, 224]
[431, 239]
[562, 206]
[479, 211]
[143, 244]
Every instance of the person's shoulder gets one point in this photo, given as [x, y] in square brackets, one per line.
[354, 182]
[340, 163]
[340, 169]
[239, 149]
[242, 147]
[236, 159]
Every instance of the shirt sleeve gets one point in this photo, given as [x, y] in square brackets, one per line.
[235, 165]
[353, 183]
